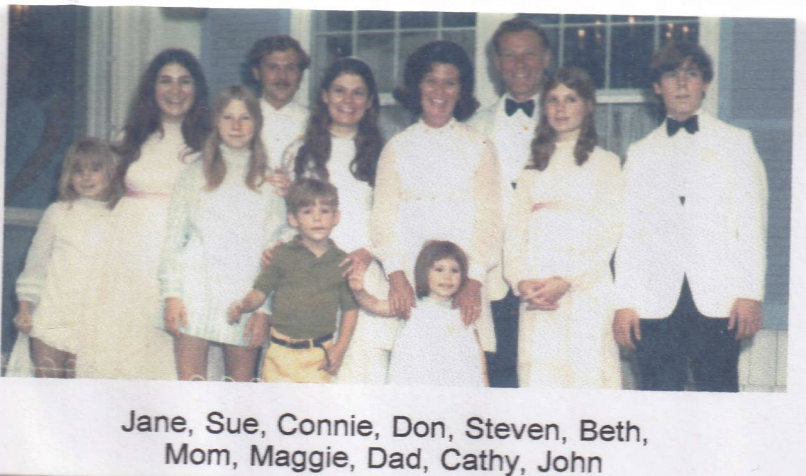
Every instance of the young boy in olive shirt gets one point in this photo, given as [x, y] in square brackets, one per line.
[309, 289]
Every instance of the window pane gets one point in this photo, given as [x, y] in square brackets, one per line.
[467, 39]
[372, 20]
[338, 21]
[631, 19]
[678, 19]
[408, 43]
[631, 52]
[328, 49]
[378, 51]
[541, 18]
[678, 31]
[585, 47]
[585, 18]
[453, 19]
[418, 20]
[554, 40]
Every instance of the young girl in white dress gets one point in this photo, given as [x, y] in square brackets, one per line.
[560, 236]
[223, 214]
[61, 269]
[341, 145]
[434, 347]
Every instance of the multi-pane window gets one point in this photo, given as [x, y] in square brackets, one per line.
[614, 49]
[385, 39]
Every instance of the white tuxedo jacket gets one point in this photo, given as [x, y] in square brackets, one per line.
[512, 138]
[716, 238]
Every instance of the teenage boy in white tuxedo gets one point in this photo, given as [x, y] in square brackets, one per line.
[521, 53]
[690, 266]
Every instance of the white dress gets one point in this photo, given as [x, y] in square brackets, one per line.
[128, 339]
[434, 348]
[213, 246]
[439, 184]
[60, 270]
[367, 357]
[566, 222]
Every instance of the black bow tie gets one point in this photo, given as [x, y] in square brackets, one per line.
[512, 107]
[691, 125]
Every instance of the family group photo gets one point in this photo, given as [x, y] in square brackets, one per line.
[456, 199]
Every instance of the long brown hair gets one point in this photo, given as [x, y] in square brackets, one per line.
[145, 115]
[213, 162]
[315, 152]
[544, 143]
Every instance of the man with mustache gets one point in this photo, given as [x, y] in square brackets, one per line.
[278, 63]
[521, 53]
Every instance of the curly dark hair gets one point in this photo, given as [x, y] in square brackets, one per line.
[422, 61]
[315, 152]
[145, 115]
[543, 145]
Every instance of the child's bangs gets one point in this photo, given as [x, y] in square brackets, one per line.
[91, 160]
[313, 201]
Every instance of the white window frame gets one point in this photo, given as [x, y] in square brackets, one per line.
[385, 98]
[486, 23]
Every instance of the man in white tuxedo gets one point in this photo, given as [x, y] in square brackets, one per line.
[521, 53]
[691, 263]
[278, 63]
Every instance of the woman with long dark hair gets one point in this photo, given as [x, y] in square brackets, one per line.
[168, 122]
[560, 236]
[439, 180]
[341, 145]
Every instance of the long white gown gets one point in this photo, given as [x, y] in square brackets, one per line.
[566, 222]
[439, 184]
[127, 339]
[367, 357]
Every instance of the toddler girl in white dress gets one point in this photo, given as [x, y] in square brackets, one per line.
[61, 267]
[434, 347]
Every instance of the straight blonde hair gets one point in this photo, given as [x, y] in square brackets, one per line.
[93, 151]
[213, 162]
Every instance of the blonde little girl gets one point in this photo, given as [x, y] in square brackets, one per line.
[223, 214]
[61, 266]
[433, 347]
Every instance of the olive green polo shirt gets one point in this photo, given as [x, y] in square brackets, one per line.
[308, 291]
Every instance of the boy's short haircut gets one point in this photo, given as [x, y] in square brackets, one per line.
[432, 252]
[674, 55]
[305, 192]
[517, 25]
[270, 44]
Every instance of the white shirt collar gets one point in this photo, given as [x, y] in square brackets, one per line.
[288, 109]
